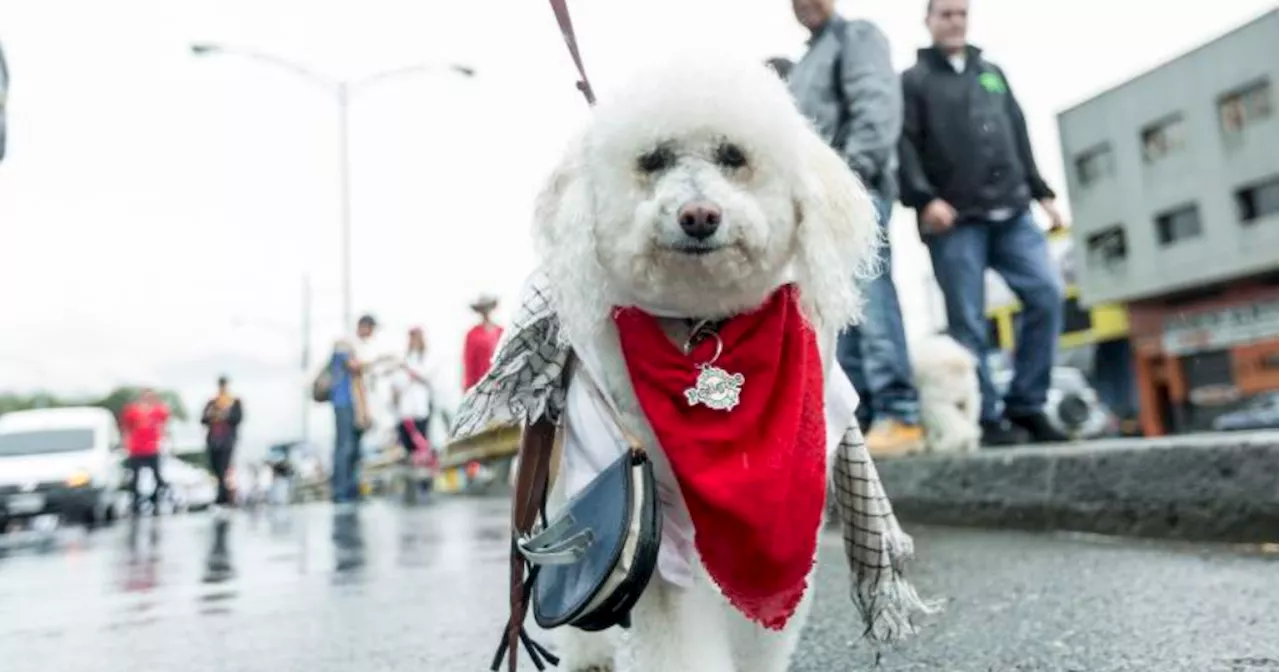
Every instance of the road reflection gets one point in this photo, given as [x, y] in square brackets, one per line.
[348, 541]
[140, 571]
[218, 567]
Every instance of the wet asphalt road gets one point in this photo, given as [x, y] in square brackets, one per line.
[422, 590]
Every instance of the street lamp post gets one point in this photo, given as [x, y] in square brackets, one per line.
[342, 91]
[302, 332]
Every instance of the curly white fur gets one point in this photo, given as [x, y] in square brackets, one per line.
[946, 378]
[606, 230]
[608, 234]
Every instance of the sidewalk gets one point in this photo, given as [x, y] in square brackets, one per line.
[1205, 487]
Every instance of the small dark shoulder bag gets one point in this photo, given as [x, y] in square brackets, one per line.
[587, 566]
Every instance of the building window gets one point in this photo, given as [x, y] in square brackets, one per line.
[1165, 137]
[1178, 225]
[1095, 164]
[1245, 106]
[1106, 247]
[1256, 201]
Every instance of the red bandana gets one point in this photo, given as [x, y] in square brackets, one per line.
[754, 477]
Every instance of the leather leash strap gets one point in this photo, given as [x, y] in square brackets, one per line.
[537, 446]
[528, 500]
[566, 31]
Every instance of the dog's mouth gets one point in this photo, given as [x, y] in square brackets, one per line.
[692, 249]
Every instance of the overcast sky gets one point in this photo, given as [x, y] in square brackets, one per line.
[158, 212]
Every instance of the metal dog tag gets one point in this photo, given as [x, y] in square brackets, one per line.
[716, 389]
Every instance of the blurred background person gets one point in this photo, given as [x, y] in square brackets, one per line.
[414, 388]
[222, 416]
[845, 83]
[481, 343]
[972, 188]
[350, 420]
[416, 402]
[353, 384]
[143, 422]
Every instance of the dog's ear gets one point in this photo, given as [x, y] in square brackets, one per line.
[564, 237]
[838, 235]
[559, 208]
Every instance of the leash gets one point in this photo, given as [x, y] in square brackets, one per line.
[537, 446]
[570, 41]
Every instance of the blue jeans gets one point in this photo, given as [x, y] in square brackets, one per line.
[874, 353]
[346, 456]
[1017, 249]
[1113, 377]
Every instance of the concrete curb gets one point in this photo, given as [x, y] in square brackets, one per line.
[1211, 487]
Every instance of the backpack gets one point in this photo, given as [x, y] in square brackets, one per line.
[322, 385]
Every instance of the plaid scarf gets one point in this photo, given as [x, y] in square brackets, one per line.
[526, 383]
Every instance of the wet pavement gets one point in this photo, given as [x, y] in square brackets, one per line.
[422, 589]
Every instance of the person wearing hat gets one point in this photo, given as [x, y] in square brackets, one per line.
[481, 343]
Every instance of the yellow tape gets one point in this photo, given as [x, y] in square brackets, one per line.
[1107, 322]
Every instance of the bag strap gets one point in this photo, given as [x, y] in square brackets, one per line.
[566, 31]
[633, 442]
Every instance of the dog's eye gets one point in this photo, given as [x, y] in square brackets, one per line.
[730, 155]
[657, 160]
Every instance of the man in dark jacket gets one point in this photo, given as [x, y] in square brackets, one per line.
[967, 169]
[846, 85]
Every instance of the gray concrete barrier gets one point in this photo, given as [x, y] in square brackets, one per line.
[1211, 487]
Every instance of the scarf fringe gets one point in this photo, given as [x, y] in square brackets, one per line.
[886, 601]
[875, 545]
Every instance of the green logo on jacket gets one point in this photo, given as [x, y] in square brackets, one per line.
[992, 82]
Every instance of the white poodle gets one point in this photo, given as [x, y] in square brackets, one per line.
[946, 378]
[697, 197]
[698, 189]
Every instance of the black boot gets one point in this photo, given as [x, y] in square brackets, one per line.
[1000, 434]
[1037, 425]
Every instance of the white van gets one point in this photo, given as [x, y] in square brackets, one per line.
[60, 461]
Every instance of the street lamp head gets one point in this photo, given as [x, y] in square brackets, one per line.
[464, 70]
[204, 48]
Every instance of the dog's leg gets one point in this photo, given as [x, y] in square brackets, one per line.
[582, 651]
[957, 431]
[934, 426]
[758, 649]
[678, 629]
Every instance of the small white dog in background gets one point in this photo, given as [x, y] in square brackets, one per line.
[946, 378]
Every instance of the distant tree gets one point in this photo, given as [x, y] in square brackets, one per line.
[114, 401]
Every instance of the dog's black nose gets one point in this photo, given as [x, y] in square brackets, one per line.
[699, 220]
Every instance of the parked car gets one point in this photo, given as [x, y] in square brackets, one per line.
[1260, 412]
[61, 462]
[191, 488]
